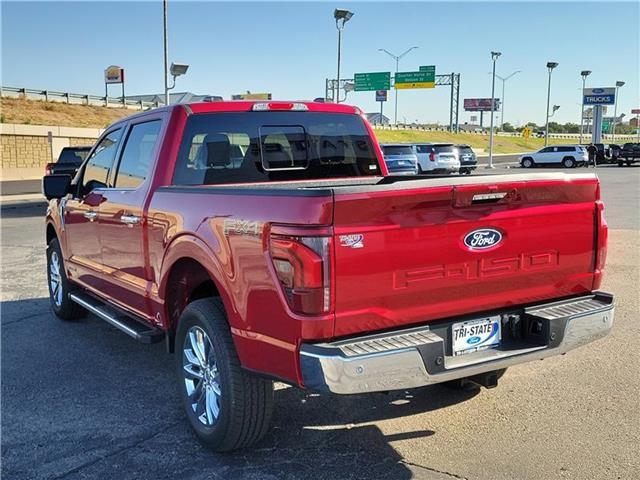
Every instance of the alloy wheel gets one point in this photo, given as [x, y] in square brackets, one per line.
[55, 279]
[201, 376]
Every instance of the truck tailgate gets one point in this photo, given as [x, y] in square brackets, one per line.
[410, 254]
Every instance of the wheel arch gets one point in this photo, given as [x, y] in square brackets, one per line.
[189, 272]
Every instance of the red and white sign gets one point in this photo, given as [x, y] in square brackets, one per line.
[635, 111]
[481, 104]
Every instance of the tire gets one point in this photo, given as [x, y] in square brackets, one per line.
[628, 163]
[462, 384]
[620, 163]
[59, 286]
[527, 162]
[420, 172]
[568, 162]
[244, 402]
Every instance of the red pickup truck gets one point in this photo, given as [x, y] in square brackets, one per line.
[266, 241]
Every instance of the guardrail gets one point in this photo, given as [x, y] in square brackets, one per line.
[75, 98]
[421, 128]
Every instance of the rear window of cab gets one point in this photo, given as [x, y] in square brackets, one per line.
[248, 147]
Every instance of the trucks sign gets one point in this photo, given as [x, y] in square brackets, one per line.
[481, 104]
[599, 96]
[366, 82]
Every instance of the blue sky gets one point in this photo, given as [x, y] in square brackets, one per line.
[290, 48]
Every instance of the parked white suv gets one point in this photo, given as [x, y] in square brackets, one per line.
[437, 157]
[568, 156]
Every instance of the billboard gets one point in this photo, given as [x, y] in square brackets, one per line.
[481, 104]
[114, 74]
[251, 96]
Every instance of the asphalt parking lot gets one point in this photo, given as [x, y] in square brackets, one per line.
[81, 400]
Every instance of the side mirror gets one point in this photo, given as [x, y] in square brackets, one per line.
[55, 186]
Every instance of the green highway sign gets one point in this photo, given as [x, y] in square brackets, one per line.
[429, 68]
[365, 82]
[425, 78]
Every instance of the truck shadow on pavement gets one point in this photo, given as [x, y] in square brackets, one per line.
[80, 399]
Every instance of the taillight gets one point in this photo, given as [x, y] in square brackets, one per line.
[295, 106]
[48, 169]
[603, 233]
[432, 156]
[302, 267]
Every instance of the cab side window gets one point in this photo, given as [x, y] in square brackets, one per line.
[136, 158]
[96, 171]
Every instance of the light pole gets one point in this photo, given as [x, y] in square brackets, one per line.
[494, 57]
[550, 66]
[166, 53]
[584, 74]
[176, 70]
[397, 59]
[341, 16]
[615, 111]
[504, 80]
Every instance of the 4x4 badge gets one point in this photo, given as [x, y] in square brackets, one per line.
[352, 241]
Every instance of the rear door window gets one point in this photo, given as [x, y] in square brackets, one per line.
[423, 148]
[136, 158]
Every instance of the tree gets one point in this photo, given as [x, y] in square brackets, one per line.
[507, 127]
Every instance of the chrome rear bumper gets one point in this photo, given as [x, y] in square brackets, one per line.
[416, 357]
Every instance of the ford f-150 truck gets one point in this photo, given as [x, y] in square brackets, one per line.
[266, 241]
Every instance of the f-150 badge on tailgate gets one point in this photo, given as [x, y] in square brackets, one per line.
[352, 241]
[482, 238]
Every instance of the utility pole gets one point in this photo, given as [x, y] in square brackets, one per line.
[494, 57]
[550, 66]
[584, 74]
[166, 53]
[397, 59]
[615, 112]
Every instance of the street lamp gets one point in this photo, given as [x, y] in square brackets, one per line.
[176, 70]
[397, 59]
[584, 74]
[494, 57]
[166, 52]
[504, 80]
[341, 16]
[550, 67]
[615, 111]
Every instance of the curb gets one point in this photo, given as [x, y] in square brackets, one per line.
[16, 204]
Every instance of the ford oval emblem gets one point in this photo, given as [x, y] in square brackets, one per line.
[597, 90]
[473, 340]
[482, 238]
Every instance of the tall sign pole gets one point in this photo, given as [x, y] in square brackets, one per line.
[166, 53]
[494, 57]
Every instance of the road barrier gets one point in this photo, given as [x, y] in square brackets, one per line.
[75, 98]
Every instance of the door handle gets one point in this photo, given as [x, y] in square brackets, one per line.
[90, 215]
[130, 219]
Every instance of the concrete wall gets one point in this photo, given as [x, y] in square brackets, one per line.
[25, 149]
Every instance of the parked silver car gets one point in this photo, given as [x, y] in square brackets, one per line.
[400, 158]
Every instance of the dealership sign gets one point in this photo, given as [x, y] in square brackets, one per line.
[114, 74]
[481, 104]
[599, 96]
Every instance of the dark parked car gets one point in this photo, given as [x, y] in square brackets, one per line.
[468, 159]
[69, 160]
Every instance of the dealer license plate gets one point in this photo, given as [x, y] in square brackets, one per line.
[474, 335]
